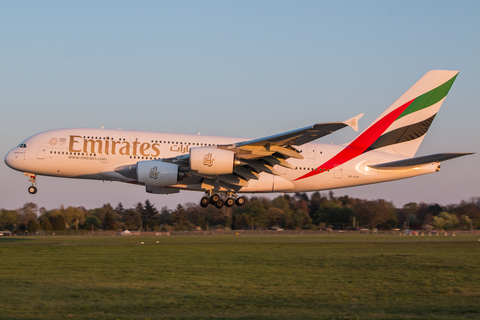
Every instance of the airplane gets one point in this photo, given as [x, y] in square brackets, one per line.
[223, 168]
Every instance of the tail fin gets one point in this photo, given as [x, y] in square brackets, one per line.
[402, 127]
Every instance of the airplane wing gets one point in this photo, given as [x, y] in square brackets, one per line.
[416, 162]
[303, 135]
[261, 155]
[283, 143]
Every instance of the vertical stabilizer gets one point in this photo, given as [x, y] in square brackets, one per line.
[402, 127]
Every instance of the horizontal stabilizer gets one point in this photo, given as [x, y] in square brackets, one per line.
[416, 162]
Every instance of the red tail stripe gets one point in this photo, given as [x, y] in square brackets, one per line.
[361, 143]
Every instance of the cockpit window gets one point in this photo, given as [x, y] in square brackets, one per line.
[22, 145]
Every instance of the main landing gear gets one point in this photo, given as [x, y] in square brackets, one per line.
[32, 189]
[215, 200]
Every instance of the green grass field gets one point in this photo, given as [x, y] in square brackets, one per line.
[240, 277]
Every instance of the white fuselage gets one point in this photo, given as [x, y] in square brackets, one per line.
[96, 153]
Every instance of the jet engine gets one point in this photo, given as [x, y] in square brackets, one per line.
[212, 161]
[158, 173]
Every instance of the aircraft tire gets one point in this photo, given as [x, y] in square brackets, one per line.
[204, 202]
[219, 203]
[229, 202]
[32, 190]
[240, 201]
[214, 199]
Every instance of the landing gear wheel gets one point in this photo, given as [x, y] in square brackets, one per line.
[32, 190]
[229, 202]
[33, 179]
[240, 201]
[219, 203]
[214, 199]
[204, 202]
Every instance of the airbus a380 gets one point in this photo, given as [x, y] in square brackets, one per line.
[224, 167]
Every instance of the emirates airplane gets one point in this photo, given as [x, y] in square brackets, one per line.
[224, 167]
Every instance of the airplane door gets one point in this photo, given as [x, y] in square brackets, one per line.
[311, 152]
[338, 171]
[41, 152]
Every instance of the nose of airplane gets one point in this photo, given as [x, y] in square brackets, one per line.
[11, 160]
[8, 160]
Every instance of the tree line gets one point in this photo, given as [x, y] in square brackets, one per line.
[297, 211]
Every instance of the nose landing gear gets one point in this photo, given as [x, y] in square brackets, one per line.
[230, 200]
[32, 189]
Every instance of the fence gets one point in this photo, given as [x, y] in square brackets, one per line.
[227, 232]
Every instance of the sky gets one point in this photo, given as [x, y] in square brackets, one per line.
[233, 68]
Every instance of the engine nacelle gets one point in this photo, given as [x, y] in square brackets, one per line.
[158, 173]
[212, 161]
